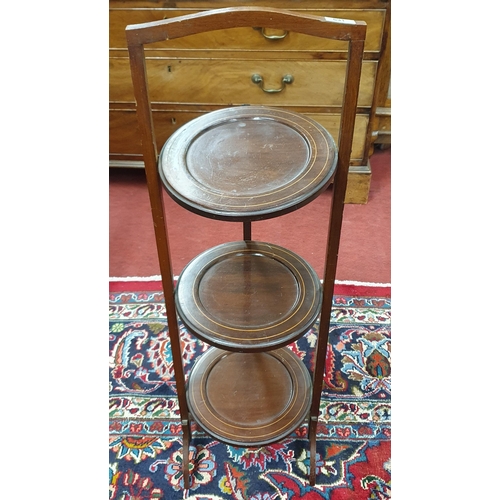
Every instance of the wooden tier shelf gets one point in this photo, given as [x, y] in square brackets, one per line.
[247, 163]
[249, 399]
[248, 296]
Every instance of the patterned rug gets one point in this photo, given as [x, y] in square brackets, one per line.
[353, 445]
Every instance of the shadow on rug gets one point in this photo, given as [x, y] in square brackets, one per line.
[145, 448]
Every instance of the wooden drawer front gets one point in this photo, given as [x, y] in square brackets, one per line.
[124, 134]
[245, 38]
[224, 82]
[125, 138]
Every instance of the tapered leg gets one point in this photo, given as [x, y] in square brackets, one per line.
[312, 450]
[186, 440]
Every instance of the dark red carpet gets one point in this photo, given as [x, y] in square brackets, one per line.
[364, 254]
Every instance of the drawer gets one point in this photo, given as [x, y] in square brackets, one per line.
[225, 82]
[125, 139]
[245, 38]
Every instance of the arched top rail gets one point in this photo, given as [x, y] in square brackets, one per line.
[239, 17]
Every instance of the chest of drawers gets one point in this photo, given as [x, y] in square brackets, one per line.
[189, 80]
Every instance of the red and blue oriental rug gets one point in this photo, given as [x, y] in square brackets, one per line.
[145, 446]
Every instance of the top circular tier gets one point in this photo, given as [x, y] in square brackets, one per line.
[247, 163]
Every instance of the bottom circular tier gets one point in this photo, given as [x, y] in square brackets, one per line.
[249, 399]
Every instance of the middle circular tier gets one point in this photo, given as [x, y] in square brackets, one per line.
[248, 296]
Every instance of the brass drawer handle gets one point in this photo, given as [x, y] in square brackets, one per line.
[272, 37]
[260, 81]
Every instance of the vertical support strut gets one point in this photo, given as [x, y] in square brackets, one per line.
[138, 66]
[247, 230]
[346, 133]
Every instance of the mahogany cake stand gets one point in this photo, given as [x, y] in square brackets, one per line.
[248, 299]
